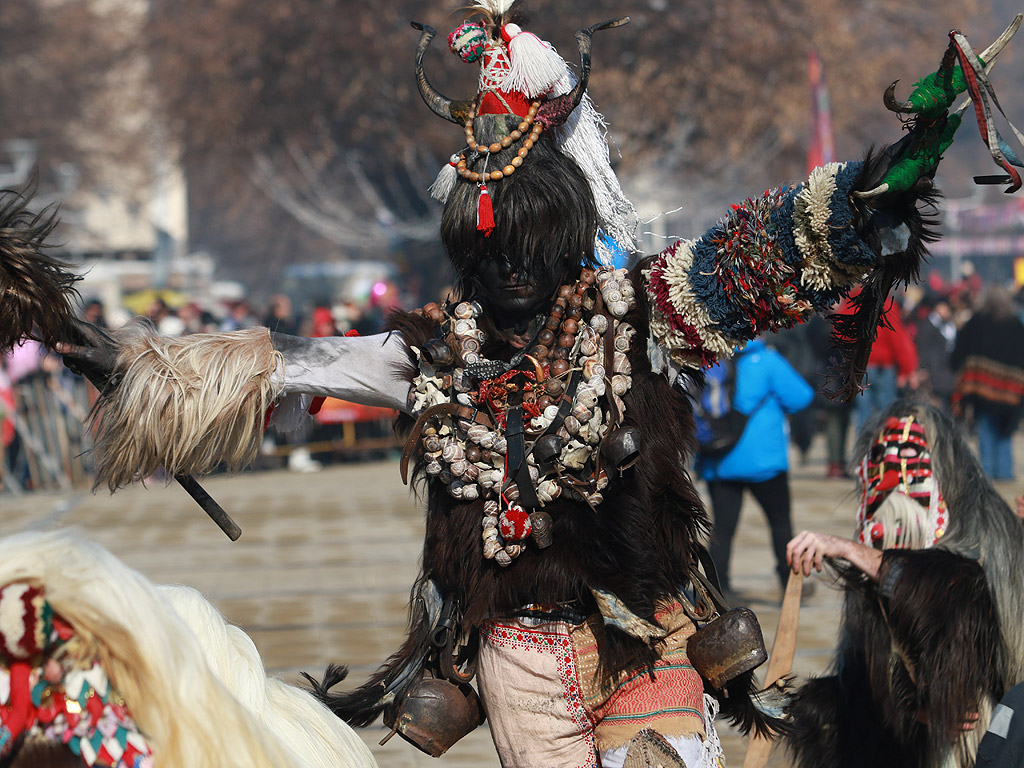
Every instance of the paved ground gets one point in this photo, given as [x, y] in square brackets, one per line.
[323, 569]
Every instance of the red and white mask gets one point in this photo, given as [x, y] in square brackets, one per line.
[900, 505]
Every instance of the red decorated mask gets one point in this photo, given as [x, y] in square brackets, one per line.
[900, 462]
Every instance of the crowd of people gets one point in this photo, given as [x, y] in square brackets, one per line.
[172, 315]
[958, 348]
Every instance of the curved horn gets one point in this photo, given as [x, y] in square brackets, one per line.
[583, 39]
[881, 189]
[454, 111]
[889, 99]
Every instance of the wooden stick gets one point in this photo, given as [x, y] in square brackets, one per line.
[210, 506]
[781, 662]
[202, 498]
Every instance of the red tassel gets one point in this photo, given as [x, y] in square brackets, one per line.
[21, 714]
[485, 212]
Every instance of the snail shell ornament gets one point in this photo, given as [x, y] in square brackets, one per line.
[542, 529]
[491, 548]
[573, 399]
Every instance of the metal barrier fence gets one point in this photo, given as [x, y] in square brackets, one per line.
[51, 449]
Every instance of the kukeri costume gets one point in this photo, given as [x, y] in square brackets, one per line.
[563, 533]
[939, 636]
[99, 668]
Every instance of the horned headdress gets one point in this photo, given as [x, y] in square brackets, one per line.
[524, 86]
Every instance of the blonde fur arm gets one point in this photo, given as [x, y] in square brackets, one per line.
[186, 404]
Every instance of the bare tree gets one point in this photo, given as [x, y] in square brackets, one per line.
[303, 136]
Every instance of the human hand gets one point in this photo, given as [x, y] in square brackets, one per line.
[92, 354]
[910, 381]
[808, 550]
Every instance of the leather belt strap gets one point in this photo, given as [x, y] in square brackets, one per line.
[518, 466]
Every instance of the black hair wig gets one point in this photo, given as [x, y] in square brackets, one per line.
[544, 213]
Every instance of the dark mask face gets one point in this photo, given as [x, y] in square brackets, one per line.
[513, 291]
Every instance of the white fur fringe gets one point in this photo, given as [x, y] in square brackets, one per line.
[186, 404]
[195, 685]
[534, 66]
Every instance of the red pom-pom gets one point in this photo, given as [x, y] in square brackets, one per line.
[514, 524]
[485, 213]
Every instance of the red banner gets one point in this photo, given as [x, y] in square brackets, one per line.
[822, 148]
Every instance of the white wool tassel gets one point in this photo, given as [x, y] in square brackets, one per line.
[445, 181]
[534, 65]
[583, 137]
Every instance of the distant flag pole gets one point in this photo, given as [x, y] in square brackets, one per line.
[822, 147]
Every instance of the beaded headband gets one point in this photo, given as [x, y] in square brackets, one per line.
[524, 76]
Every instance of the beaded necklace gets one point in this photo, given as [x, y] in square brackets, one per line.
[499, 145]
[562, 385]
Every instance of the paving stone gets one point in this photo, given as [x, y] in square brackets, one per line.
[324, 567]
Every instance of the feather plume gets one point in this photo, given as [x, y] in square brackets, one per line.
[493, 8]
[186, 404]
[386, 687]
[36, 290]
[749, 709]
[496, 13]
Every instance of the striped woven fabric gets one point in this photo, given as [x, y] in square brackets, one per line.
[766, 266]
[672, 702]
[986, 379]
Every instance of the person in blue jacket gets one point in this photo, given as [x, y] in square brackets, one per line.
[767, 388]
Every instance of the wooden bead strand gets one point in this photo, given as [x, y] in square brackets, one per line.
[529, 124]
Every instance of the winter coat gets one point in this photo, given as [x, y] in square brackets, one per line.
[989, 363]
[767, 388]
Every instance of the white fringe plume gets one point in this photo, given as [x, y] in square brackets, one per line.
[494, 7]
[584, 138]
[534, 66]
[195, 685]
[186, 404]
[445, 182]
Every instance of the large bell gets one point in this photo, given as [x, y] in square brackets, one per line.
[434, 714]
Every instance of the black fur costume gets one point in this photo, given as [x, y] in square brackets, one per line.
[873, 711]
[935, 640]
[642, 542]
